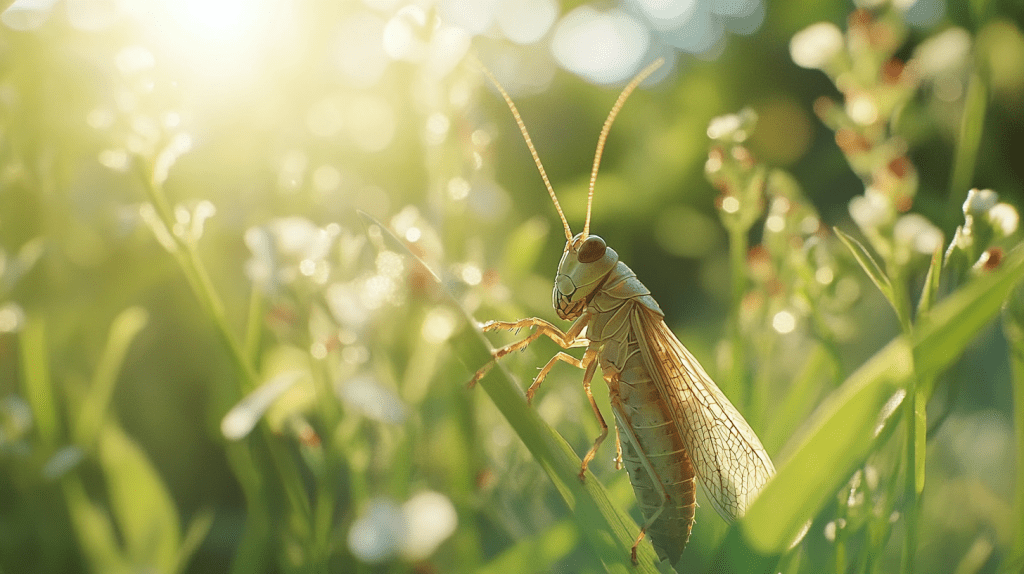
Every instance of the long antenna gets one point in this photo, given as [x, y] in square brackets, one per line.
[533, 151]
[608, 126]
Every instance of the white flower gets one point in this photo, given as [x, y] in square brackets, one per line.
[917, 233]
[376, 536]
[943, 53]
[430, 519]
[871, 210]
[816, 45]
[979, 201]
[1004, 218]
[732, 127]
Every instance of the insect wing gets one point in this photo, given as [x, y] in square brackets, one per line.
[727, 455]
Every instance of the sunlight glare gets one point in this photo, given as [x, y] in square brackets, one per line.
[213, 20]
[216, 38]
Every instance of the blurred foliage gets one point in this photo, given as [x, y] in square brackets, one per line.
[210, 362]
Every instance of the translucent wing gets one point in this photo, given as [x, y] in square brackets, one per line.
[727, 455]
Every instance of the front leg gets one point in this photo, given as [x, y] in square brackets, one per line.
[565, 339]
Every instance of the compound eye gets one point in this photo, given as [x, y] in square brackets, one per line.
[592, 249]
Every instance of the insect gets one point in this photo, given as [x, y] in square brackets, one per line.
[673, 424]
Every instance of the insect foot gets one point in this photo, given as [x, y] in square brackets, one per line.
[483, 371]
[488, 326]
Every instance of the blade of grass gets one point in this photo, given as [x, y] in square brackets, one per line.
[870, 266]
[1013, 326]
[844, 430]
[253, 326]
[93, 528]
[608, 530]
[35, 367]
[932, 280]
[195, 533]
[971, 127]
[93, 411]
[141, 505]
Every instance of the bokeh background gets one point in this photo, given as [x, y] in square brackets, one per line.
[210, 361]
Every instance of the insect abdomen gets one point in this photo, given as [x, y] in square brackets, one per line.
[651, 422]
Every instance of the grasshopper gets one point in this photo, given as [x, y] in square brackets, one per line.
[673, 424]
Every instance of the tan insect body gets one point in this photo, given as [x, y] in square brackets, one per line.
[678, 426]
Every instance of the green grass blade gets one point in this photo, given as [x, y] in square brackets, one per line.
[35, 368]
[920, 439]
[196, 532]
[140, 502]
[253, 326]
[932, 280]
[943, 334]
[971, 127]
[870, 266]
[608, 530]
[93, 529]
[844, 429]
[1013, 326]
[93, 411]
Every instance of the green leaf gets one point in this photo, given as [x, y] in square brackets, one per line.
[609, 530]
[35, 366]
[93, 411]
[93, 529]
[1013, 326]
[844, 429]
[930, 291]
[920, 439]
[868, 264]
[972, 125]
[196, 532]
[141, 505]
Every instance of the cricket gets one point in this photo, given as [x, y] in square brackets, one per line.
[674, 426]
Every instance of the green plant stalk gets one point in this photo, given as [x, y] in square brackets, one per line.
[251, 554]
[195, 533]
[913, 410]
[840, 543]
[738, 247]
[202, 287]
[910, 494]
[971, 128]
[329, 468]
[1016, 556]
[253, 326]
[35, 376]
[93, 411]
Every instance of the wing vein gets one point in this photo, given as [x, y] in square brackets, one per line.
[726, 454]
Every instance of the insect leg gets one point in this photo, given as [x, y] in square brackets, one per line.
[590, 358]
[563, 357]
[626, 428]
[564, 339]
[618, 449]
